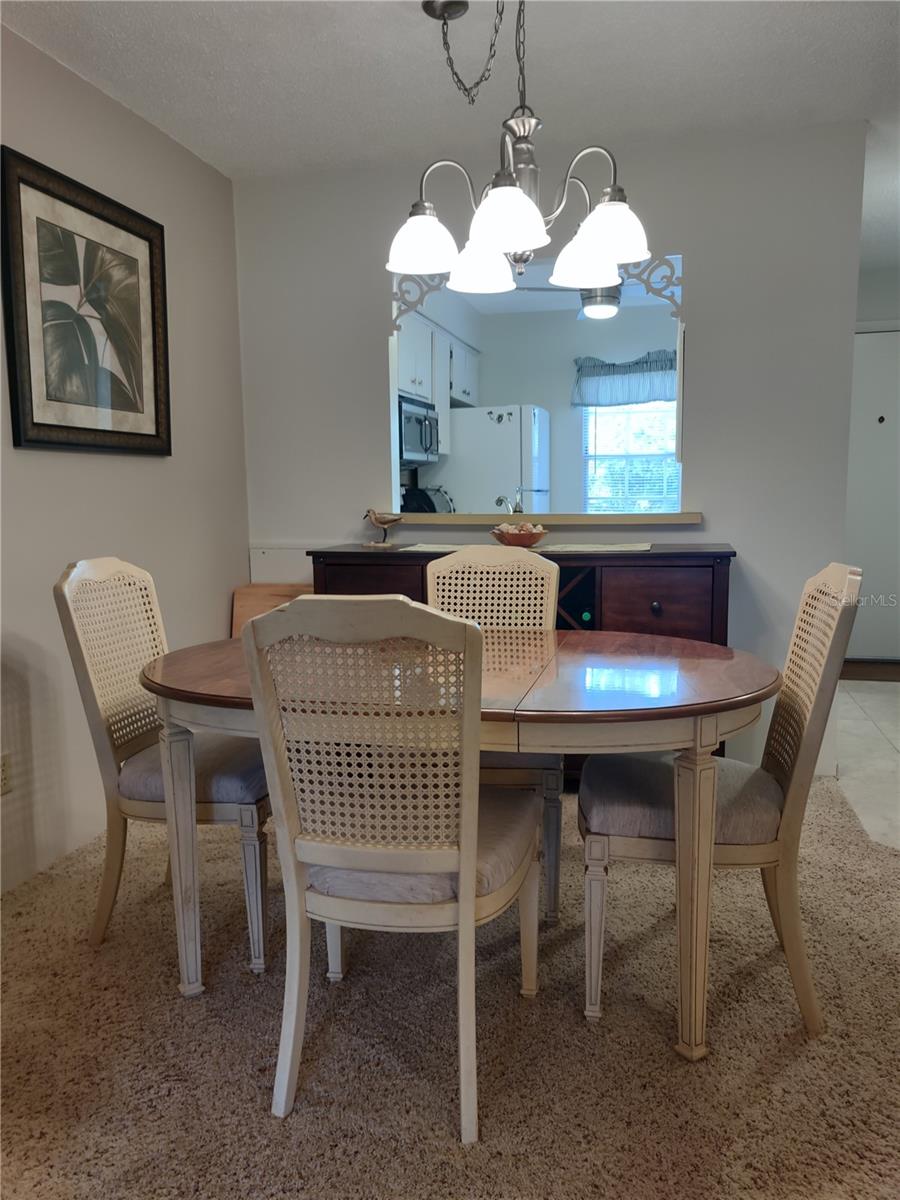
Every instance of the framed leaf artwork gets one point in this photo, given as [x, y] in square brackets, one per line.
[84, 297]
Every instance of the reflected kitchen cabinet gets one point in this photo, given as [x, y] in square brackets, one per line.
[440, 386]
[414, 358]
[463, 374]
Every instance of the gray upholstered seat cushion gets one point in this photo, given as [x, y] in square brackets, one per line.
[229, 770]
[507, 822]
[633, 795]
[500, 760]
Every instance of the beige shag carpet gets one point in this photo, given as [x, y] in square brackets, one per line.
[116, 1087]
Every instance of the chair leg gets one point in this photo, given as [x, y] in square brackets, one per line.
[254, 857]
[167, 882]
[768, 882]
[468, 1063]
[116, 834]
[298, 934]
[529, 908]
[596, 871]
[788, 902]
[337, 951]
[552, 838]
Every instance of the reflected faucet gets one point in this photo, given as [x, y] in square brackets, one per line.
[504, 502]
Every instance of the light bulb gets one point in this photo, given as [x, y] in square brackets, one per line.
[480, 270]
[616, 232]
[600, 312]
[506, 220]
[423, 246]
[579, 265]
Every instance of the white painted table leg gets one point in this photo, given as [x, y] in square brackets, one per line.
[254, 859]
[695, 828]
[552, 843]
[176, 746]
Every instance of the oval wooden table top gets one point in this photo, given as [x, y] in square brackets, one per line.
[533, 675]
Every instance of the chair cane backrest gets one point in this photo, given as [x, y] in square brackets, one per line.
[113, 627]
[811, 673]
[369, 715]
[495, 586]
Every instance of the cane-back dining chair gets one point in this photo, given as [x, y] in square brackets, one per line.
[627, 802]
[112, 625]
[369, 714]
[507, 587]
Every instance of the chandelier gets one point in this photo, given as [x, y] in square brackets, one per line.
[507, 224]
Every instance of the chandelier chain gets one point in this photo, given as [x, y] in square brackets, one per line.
[524, 107]
[470, 91]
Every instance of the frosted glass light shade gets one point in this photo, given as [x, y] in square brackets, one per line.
[579, 265]
[506, 220]
[616, 232]
[423, 246]
[480, 270]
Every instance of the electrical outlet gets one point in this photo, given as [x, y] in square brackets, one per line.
[5, 774]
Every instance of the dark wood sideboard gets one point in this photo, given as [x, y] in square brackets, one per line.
[677, 590]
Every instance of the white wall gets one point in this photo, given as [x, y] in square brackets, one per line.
[528, 358]
[770, 247]
[184, 517]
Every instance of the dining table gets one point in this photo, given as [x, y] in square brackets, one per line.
[543, 692]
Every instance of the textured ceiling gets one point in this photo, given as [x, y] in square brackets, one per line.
[257, 88]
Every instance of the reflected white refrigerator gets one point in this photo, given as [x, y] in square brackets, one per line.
[493, 452]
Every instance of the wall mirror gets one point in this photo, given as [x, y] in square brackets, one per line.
[541, 400]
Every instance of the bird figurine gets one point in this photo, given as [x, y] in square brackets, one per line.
[382, 521]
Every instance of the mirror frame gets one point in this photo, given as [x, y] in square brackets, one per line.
[659, 277]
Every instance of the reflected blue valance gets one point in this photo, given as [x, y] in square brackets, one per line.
[600, 384]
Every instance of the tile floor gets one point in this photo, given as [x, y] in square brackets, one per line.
[868, 745]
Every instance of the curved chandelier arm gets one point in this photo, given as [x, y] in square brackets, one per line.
[448, 162]
[548, 221]
[562, 194]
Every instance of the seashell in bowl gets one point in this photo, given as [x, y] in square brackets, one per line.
[524, 534]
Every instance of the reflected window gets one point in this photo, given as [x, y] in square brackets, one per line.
[655, 685]
[629, 458]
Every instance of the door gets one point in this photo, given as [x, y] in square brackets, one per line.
[535, 459]
[414, 358]
[485, 462]
[440, 387]
[471, 375]
[464, 374]
[873, 493]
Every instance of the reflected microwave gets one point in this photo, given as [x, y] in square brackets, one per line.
[418, 432]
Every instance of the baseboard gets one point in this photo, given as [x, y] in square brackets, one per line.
[879, 669]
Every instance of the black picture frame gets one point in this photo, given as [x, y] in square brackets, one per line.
[27, 431]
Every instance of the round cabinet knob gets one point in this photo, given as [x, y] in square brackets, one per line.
[655, 607]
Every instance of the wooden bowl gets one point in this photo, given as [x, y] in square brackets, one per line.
[517, 539]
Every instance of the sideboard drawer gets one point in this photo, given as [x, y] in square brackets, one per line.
[381, 578]
[672, 601]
